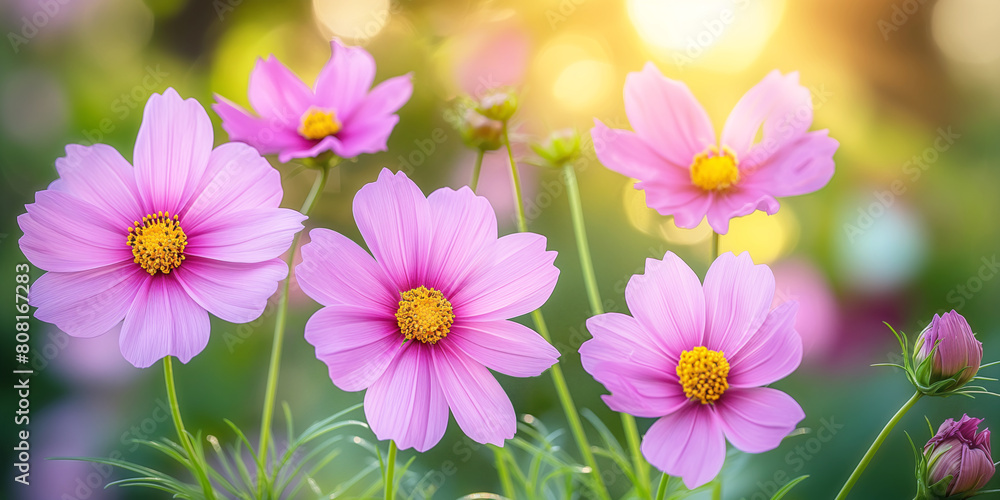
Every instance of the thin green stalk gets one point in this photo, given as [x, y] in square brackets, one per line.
[597, 307]
[390, 469]
[717, 490]
[476, 169]
[503, 472]
[279, 328]
[715, 245]
[876, 444]
[662, 490]
[562, 389]
[175, 412]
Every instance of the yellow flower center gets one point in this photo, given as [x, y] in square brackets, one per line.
[317, 124]
[703, 374]
[157, 243]
[424, 314]
[715, 171]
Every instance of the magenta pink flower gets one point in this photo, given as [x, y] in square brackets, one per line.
[421, 323]
[688, 174]
[696, 358]
[338, 114]
[962, 451]
[189, 230]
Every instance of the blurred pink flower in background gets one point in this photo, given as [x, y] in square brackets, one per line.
[342, 113]
[492, 56]
[422, 323]
[688, 174]
[818, 320]
[496, 185]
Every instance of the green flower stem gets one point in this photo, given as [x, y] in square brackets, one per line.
[717, 490]
[279, 326]
[662, 490]
[476, 169]
[503, 472]
[572, 415]
[390, 469]
[715, 245]
[875, 446]
[597, 307]
[175, 411]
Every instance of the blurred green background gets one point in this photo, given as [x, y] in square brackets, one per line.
[906, 228]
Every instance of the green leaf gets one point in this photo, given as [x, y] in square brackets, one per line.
[788, 487]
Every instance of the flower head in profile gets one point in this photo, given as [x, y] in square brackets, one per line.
[186, 231]
[341, 113]
[951, 350]
[422, 320]
[696, 357]
[957, 459]
[689, 174]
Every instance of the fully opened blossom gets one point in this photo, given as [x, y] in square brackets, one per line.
[421, 320]
[689, 174]
[959, 450]
[340, 113]
[187, 231]
[956, 352]
[696, 357]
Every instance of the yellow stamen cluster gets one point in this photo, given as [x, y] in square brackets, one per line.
[424, 314]
[703, 374]
[158, 243]
[715, 171]
[317, 124]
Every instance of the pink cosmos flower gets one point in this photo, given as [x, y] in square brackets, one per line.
[688, 174]
[696, 357]
[338, 114]
[187, 231]
[421, 324]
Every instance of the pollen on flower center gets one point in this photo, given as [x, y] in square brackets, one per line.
[424, 314]
[318, 123]
[158, 243]
[715, 171]
[703, 374]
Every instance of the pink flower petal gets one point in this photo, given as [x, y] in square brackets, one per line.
[311, 149]
[383, 100]
[252, 235]
[406, 404]
[688, 443]
[633, 364]
[335, 270]
[363, 137]
[237, 179]
[163, 321]
[345, 79]
[756, 420]
[668, 300]
[779, 103]
[356, 344]
[464, 229]
[277, 94]
[628, 154]
[87, 303]
[504, 346]
[667, 116]
[64, 234]
[266, 135]
[737, 202]
[737, 298]
[520, 279]
[687, 203]
[171, 151]
[771, 354]
[235, 292]
[798, 167]
[480, 406]
[394, 218]
[100, 176]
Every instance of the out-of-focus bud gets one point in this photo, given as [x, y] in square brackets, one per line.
[480, 132]
[956, 461]
[947, 350]
[561, 147]
[498, 105]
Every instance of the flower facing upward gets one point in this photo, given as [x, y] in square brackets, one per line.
[187, 231]
[688, 174]
[956, 352]
[696, 357]
[422, 320]
[338, 114]
[958, 451]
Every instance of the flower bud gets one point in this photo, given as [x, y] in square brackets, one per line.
[947, 349]
[480, 132]
[958, 459]
[498, 105]
[561, 147]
